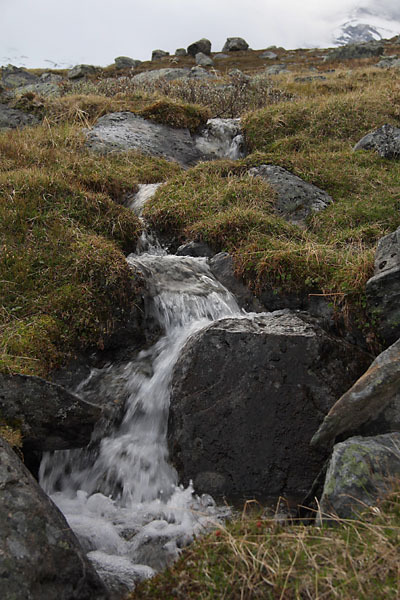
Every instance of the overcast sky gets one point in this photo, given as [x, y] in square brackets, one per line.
[96, 31]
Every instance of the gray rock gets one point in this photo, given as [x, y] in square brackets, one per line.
[349, 51]
[13, 77]
[180, 52]
[238, 75]
[40, 558]
[276, 70]
[360, 472]
[203, 60]
[220, 56]
[383, 289]
[235, 44]
[310, 78]
[50, 78]
[80, 71]
[389, 62]
[202, 45]
[124, 62]
[158, 54]
[247, 394]
[295, 199]
[268, 55]
[200, 73]
[50, 417]
[385, 141]
[125, 131]
[12, 118]
[221, 266]
[43, 88]
[168, 74]
[194, 249]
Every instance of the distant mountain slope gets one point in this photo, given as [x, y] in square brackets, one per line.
[365, 25]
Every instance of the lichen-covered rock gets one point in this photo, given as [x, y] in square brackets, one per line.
[40, 558]
[159, 54]
[361, 471]
[125, 62]
[203, 60]
[202, 45]
[42, 88]
[180, 52]
[80, 71]
[276, 70]
[383, 289]
[13, 77]
[349, 51]
[168, 74]
[50, 417]
[385, 141]
[12, 118]
[247, 395]
[235, 44]
[295, 199]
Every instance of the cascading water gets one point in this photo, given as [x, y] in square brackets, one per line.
[123, 500]
[222, 138]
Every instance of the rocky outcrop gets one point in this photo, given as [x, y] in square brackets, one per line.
[124, 62]
[389, 62]
[366, 399]
[276, 70]
[385, 141]
[42, 88]
[158, 54]
[180, 52]
[125, 131]
[168, 74]
[40, 558]
[383, 289]
[13, 77]
[247, 394]
[202, 45]
[50, 417]
[235, 44]
[361, 471]
[221, 266]
[11, 118]
[80, 71]
[349, 51]
[203, 60]
[295, 199]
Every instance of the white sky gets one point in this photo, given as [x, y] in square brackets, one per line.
[96, 31]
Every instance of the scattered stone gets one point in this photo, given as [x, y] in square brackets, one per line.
[80, 71]
[125, 131]
[389, 62]
[238, 75]
[295, 199]
[40, 558]
[239, 391]
[13, 77]
[50, 78]
[349, 51]
[200, 73]
[310, 78]
[202, 45]
[124, 62]
[43, 88]
[361, 471]
[235, 44]
[221, 266]
[168, 74]
[203, 60]
[50, 417]
[268, 55]
[11, 118]
[194, 249]
[276, 70]
[180, 52]
[383, 289]
[385, 141]
[158, 54]
[220, 56]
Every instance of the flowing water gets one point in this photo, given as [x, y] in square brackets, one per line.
[122, 499]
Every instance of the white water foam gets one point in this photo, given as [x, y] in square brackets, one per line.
[222, 138]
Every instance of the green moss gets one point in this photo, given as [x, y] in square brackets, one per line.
[176, 114]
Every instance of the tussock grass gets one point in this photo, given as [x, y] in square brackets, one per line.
[257, 557]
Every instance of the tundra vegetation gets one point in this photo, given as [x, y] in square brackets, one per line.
[64, 234]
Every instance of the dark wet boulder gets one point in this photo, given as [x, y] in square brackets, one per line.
[221, 266]
[389, 62]
[40, 557]
[383, 289]
[361, 471]
[235, 44]
[247, 395]
[295, 199]
[12, 118]
[50, 417]
[194, 249]
[202, 45]
[80, 71]
[13, 77]
[385, 141]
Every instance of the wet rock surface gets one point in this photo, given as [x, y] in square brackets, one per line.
[12, 118]
[246, 395]
[385, 141]
[40, 558]
[295, 199]
[361, 471]
[50, 417]
[221, 266]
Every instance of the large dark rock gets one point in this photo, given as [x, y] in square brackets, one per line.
[295, 199]
[80, 71]
[235, 44]
[12, 118]
[125, 131]
[350, 51]
[247, 394]
[361, 471]
[125, 62]
[385, 141]
[13, 77]
[366, 399]
[159, 54]
[50, 417]
[221, 266]
[202, 45]
[383, 289]
[40, 558]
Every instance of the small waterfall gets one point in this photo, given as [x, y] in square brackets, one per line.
[125, 494]
[222, 138]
